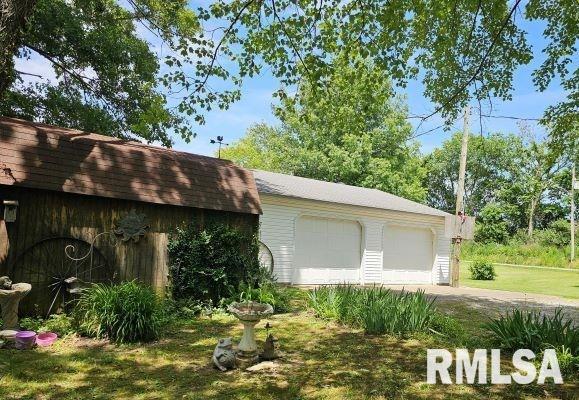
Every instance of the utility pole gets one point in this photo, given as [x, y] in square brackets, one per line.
[573, 187]
[459, 212]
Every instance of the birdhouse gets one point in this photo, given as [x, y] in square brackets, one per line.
[10, 208]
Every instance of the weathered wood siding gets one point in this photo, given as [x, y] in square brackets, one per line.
[44, 214]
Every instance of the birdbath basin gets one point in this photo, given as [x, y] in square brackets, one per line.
[249, 314]
[9, 300]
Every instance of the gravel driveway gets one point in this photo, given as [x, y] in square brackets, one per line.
[498, 301]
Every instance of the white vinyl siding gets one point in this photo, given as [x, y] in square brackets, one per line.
[281, 215]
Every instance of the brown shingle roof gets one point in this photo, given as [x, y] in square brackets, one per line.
[48, 157]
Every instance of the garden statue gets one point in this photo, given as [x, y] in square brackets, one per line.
[249, 313]
[269, 348]
[5, 283]
[224, 355]
[10, 297]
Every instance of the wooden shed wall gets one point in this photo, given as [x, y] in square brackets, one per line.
[43, 214]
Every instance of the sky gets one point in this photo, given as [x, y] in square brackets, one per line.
[255, 105]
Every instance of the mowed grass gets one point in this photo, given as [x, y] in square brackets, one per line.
[320, 360]
[528, 280]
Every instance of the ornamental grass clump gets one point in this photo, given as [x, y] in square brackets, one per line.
[531, 330]
[377, 310]
[123, 313]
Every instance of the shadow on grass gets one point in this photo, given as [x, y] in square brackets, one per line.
[319, 361]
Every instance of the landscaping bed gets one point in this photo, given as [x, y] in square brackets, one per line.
[320, 360]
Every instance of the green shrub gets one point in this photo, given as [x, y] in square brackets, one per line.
[491, 226]
[531, 330]
[209, 265]
[568, 363]
[127, 312]
[267, 292]
[377, 310]
[557, 234]
[61, 324]
[482, 271]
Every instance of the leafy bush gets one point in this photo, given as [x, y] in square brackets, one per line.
[557, 234]
[267, 292]
[491, 226]
[127, 312]
[568, 363]
[61, 324]
[377, 310]
[531, 330]
[481, 270]
[209, 265]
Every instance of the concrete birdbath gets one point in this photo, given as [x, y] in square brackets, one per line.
[249, 314]
[9, 300]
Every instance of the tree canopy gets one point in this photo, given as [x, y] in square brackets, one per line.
[352, 130]
[512, 181]
[461, 50]
[111, 79]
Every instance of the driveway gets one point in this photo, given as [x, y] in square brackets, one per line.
[497, 301]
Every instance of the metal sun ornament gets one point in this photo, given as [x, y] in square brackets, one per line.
[131, 226]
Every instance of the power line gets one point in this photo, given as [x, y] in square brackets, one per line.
[416, 135]
[510, 117]
[486, 116]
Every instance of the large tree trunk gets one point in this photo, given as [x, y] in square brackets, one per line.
[13, 17]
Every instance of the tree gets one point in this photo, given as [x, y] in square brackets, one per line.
[492, 225]
[538, 175]
[350, 130]
[106, 74]
[263, 147]
[493, 162]
[460, 49]
[13, 17]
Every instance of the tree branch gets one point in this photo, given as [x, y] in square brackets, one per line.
[220, 43]
[481, 64]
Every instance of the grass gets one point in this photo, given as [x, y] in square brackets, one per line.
[320, 360]
[527, 280]
[524, 254]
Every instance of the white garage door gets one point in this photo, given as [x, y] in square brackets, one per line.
[408, 255]
[327, 251]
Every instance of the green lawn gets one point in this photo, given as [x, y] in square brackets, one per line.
[530, 280]
[321, 360]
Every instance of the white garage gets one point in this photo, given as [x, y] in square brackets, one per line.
[317, 232]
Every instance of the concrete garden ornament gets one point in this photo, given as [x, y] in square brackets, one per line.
[224, 355]
[249, 314]
[10, 296]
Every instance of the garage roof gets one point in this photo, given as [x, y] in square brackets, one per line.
[304, 188]
[53, 158]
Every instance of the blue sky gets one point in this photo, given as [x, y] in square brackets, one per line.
[255, 107]
[255, 104]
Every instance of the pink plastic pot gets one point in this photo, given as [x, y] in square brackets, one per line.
[46, 339]
[25, 339]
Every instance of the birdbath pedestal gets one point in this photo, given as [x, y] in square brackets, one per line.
[249, 314]
[9, 300]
